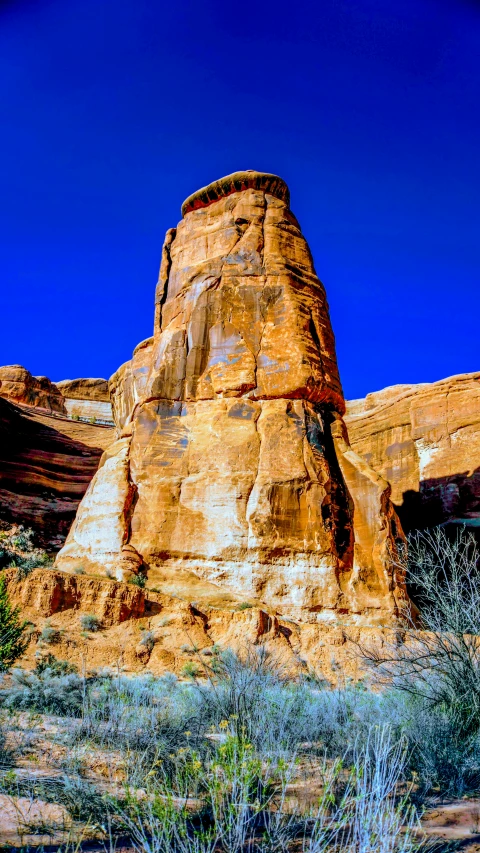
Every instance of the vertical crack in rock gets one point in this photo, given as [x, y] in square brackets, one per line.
[161, 289]
[233, 464]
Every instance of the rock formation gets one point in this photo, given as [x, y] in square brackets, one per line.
[232, 465]
[18, 385]
[425, 440]
[46, 465]
[87, 399]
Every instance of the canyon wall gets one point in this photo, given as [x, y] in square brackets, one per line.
[232, 465]
[87, 399]
[46, 465]
[425, 440]
[18, 385]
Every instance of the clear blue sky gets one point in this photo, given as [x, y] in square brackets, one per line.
[114, 111]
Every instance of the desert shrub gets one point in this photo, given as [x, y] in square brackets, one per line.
[79, 796]
[6, 756]
[148, 640]
[17, 550]
[190, 669]
[13, 631]
[49, 634]
[44, 690]
[54, 665]
[441, 757]
[242, 803]
[437, 663]
[245, 605]
[90, 622]
[138, 580]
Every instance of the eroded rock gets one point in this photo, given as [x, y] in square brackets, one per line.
[19, 386]
[232, 462]
[425, 440]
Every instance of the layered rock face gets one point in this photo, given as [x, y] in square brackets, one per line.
[46, 465]
[232, 462]
[88, 399]
[18, 385]
[424, 439]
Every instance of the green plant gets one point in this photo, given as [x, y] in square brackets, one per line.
[245, 605]
[13, 630]
[49, 634]
[90, 622]
[54, 665]
[138, 580]
[148, 640]
[18, 551]
[190, 669]
[439, 662]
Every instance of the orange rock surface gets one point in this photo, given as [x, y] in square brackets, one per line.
[232, 469]
[18, 385]
[182, 631]
[425, 440]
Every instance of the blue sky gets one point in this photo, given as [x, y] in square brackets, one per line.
[114, 111]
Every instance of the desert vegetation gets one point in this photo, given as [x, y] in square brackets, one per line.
[238, 755]
[17, 549]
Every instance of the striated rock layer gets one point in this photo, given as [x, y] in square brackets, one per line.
[425, 440]
[232, 463]
[46, 465]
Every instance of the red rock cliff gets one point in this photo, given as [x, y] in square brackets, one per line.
[232, 461]
[424, 439]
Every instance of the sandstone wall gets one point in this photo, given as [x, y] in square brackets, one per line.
[232, 463]
[88, 399]
[18, 385]
[425, 440]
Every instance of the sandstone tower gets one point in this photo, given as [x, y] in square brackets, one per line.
[232, 461]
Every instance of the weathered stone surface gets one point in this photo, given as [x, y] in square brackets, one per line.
[88, 399]
[46, 465]
[232, 463]
[425, 440]
[45, 592]
[18, 385]
[181, 631]
[85, 389]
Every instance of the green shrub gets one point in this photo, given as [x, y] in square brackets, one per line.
[49, 634]
[138, 580]
[54, 665]
[245, 605]
[190, 669]
[13, 631]
[18, 551]
[90, 622]
[148, 640]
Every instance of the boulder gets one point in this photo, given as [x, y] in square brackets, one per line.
[18, 385]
